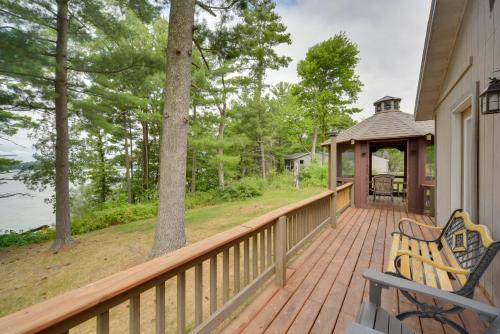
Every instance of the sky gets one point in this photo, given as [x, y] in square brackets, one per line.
[389, 33]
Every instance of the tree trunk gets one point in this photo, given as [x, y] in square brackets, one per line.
[63, 223]
[145, 156]
[262, 158]
[102, 166]
[128, 179]
[131, 160]
[170, 233]
[220, 149]
[314, 143]
[194, 158]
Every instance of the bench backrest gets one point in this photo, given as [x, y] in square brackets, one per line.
[383, 184]
[469, 245]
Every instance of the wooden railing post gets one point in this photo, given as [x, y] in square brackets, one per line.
[280, 254]
[332, 158]
[351, 195]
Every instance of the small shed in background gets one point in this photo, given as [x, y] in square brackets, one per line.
[304, 159]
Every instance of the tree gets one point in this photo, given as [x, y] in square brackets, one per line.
[37, 36]
[329, 85]
[259, 33]
[170, 233]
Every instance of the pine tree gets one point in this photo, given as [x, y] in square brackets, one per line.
[259, 33]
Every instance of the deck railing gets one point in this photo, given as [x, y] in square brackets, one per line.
[194, 288]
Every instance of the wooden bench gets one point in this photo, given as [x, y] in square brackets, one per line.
[454, 262]
[372, 319]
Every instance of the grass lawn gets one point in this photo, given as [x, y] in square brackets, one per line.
[31, 273]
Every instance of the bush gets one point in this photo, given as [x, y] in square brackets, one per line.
[245, 188]
[18, 239]
[201, 198]
[121, 214]
[314, 175]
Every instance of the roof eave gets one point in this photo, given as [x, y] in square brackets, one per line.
[432, 77]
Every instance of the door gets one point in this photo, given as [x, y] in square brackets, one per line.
[466, 152]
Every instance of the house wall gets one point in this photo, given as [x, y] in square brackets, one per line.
[466, 77]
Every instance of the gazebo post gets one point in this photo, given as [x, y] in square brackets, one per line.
[332, 177]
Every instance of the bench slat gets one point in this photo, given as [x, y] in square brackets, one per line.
[405, 260]
[416, 265]
[444, 280]
[430, 277]
[392, 254]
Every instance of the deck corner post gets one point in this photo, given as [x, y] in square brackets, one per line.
[280, 254]
[332, 182]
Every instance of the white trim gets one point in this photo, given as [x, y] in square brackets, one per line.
[463, 105]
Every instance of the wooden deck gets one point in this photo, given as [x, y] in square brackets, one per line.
[324, 287]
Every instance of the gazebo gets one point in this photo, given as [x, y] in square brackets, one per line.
[388, 128]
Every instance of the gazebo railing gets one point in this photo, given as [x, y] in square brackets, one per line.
[194, 288]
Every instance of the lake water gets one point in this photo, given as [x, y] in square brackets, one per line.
[23, 212]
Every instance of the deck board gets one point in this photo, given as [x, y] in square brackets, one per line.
[324, 287]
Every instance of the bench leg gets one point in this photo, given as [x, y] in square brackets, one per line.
[425, 310]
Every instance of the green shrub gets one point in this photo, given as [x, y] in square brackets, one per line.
[17, 239]
[201, 198]
[314, 175]
[245, 188]
[122, 214]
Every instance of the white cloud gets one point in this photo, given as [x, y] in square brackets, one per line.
[390, 35]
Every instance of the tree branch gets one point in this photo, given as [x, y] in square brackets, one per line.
[6, 195]
[26, 20]
[26, 75]
[201, 53]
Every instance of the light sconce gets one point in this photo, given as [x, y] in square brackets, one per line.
[490, 97]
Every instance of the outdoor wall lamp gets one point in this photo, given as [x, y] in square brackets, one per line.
[490, 97]
[353, 141]
[428, 137]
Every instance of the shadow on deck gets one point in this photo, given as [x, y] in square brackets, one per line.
[324, 287]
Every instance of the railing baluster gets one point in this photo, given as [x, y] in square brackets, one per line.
[225, 275]
[213, 284]
[262, 244]
[103, 322]
[135, 314]
[268, 240]
[280, 255]
[198, 293]
[181, 302]
[160, 308]
[246, 261]
[237, 267]
[255, 257]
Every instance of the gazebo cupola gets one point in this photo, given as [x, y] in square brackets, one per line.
[387, 103]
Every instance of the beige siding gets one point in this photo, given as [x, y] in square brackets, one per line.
[476, 38]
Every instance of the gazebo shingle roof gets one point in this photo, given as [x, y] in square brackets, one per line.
[386, 125]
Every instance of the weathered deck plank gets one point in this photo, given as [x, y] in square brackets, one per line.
[324, 287]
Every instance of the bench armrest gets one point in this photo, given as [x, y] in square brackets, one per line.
[380, 280]
[438, 265]
[409, 220]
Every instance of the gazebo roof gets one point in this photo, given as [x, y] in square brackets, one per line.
[390, 124]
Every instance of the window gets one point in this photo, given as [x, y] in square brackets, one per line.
[379, 107]
[396, 105]
[301, 162]
[347, 161]
[387, 105]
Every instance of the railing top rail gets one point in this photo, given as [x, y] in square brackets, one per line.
[65, 306]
